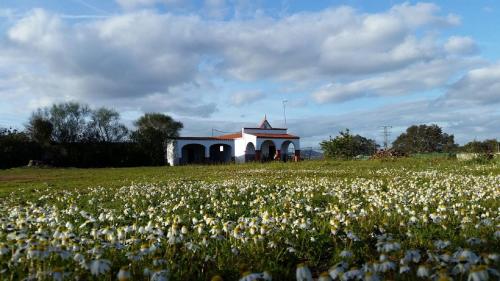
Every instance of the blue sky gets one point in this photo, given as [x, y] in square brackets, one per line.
[225, 63]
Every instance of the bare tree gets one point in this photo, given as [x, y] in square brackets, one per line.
[105, 126]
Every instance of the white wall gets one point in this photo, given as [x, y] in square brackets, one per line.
[263, 131]
[238, 146]
[176, 151]
[241, 146]
[278, 143]
[171, 156]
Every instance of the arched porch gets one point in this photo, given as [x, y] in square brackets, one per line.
[250, 153]
[193, 154]
[220, 153]
[268, 151]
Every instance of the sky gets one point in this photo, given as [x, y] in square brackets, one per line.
[224, 64]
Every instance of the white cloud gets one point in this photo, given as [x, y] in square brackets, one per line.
[481, 85]
[146, 60]
[39, 28]
[217, 9]
[463, 121]
[246, 97]
[333, 42]
[133, 4]
[136, 56]
[460, 45]
[415, 78]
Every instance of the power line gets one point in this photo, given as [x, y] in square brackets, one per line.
[386, 132]
[219, 131]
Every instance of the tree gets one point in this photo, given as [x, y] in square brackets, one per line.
[39, 129]
[347, 146]
[69, 121]
[105, 126]
[16, 148]
[486, 146]
[424, 139]
[153, 132]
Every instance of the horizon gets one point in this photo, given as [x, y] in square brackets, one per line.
[224, 65]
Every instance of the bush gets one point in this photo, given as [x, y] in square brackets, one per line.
[16, 149]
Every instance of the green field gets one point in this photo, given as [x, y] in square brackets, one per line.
[350, 220]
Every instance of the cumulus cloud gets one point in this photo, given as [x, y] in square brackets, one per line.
[246, 97]
[460, 45]
[147, 60]
[481, 85]
[418, 77]
[217, 9]
[336, 42]
[134, 56]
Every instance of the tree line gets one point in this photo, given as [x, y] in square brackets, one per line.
[416, 139]
[73, 134]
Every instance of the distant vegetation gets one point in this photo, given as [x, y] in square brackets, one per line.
[73, 134]
[348, 146]
[424, 139]
[486, 146]
[416, 140]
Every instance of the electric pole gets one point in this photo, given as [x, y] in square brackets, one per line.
[386, 132]
[284, 111]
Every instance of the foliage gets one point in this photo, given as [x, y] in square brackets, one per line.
[69, 121]
[153, 133]
[73, 122]
[16, 149]
[424, 139]
[486, 146]
[74, 135]
[404, 220]
[347, 146]
[40, 129]
[105, 126]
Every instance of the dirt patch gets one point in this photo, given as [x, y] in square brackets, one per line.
[5, 178]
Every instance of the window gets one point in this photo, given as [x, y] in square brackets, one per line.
[221, 148]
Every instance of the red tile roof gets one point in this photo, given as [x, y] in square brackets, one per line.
[276, 136]
[238, 135]
[228, 136]
[222, 137]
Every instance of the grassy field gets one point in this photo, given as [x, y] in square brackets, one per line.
[403, 219]
[24, 180]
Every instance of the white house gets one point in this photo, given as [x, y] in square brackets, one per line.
[263, 143]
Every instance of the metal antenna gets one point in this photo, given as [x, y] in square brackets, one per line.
[284, 110]
[219, 131]
[386, 132]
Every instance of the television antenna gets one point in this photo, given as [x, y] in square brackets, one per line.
[218, 131]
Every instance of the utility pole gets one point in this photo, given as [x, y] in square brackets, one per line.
[386, 132]
[284, 111]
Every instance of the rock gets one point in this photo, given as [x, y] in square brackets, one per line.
[35, 163]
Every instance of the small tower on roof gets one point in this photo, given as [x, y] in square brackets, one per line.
[265, 124]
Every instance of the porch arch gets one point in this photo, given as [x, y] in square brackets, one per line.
[268, 150]
[220, 153]
[288, 149]
[250, 152]
[193, 153]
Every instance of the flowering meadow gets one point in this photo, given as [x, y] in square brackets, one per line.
[295, 221]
